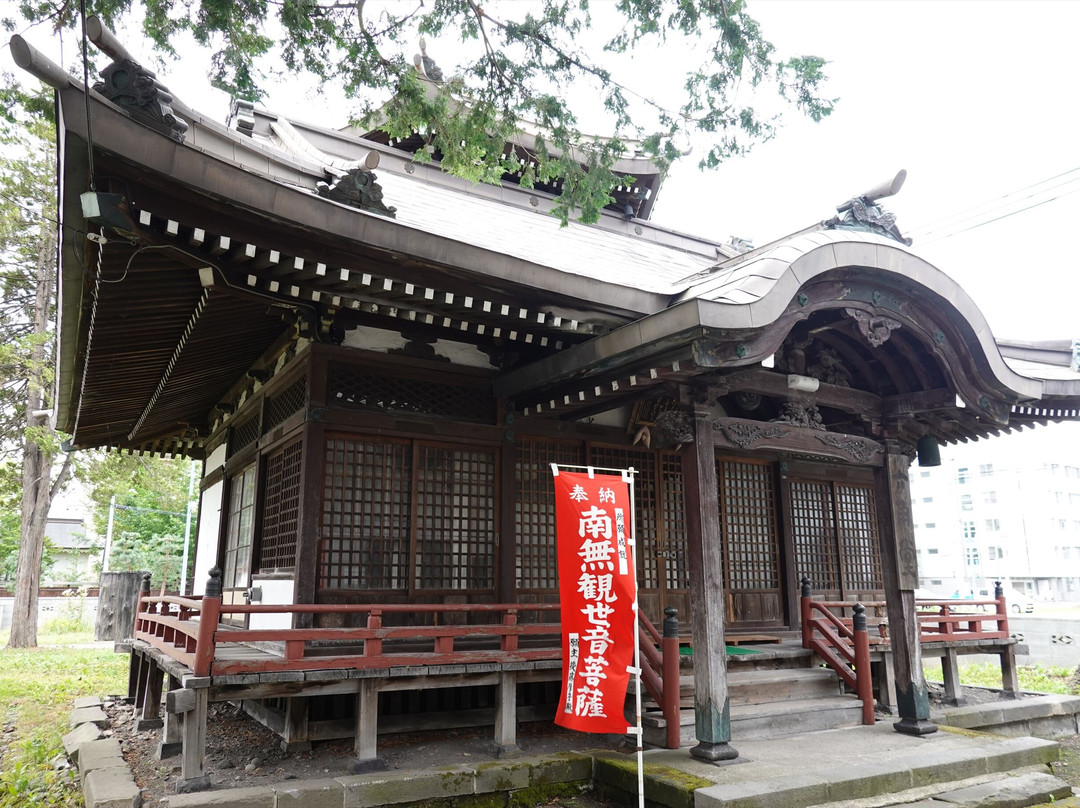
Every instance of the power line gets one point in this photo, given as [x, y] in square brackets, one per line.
[999, 218]
[954, 223]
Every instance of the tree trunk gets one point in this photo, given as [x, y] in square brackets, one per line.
[37, 486]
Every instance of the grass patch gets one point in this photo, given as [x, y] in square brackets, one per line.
[1037, 677]
[37, 688]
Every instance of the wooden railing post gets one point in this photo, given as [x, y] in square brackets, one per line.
[805, 612]
[209, 614]
[670, 677]
[1002, 608]
[140, 607]
[510, 641]
[863, 679]
[373, 647]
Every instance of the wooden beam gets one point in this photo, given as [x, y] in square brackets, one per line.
[774, 383]
[747, 435]
[923, 401]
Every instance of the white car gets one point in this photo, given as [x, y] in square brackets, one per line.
[1018, 602]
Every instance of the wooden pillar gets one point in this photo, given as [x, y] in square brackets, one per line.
[295, 736]
[1010, 682]
[134, 672]
[506, 573]
[900, 571]
[193, 746]
[170, 744]
[309, 519]
[150, 715]
[367, 728]
[506, 714]
[142, 678]
[712, 709]
[950, 676]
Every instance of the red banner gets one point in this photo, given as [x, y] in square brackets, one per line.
[596, 591]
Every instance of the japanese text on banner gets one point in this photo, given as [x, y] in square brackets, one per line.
[596, 592]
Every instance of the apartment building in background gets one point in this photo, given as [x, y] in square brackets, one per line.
[1005, 510]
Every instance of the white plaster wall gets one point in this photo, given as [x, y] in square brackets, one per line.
[376, 339]
[275, 592]
[206, 542]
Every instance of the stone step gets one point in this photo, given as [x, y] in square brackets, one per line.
[759, 687]
[997, 763]
[759, 721]
[1016, 789]
[763, 686]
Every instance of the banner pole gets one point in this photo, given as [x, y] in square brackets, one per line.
[637, 646]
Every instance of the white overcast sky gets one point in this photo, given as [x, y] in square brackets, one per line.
[977, 99]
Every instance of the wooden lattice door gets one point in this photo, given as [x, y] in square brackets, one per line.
[750, 543]
[660, 527]
[835, 536]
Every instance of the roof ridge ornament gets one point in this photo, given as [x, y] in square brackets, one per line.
[862, 212]
[357, 187]
[130, 85]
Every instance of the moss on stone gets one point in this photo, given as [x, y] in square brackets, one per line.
[543, 794]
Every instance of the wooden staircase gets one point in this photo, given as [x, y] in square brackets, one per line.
[773, 693]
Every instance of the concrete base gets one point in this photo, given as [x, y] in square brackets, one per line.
[168, 750]
[512, 750]
[367, 766]
[194, 784]
[915, 726]
[714, 752]
[147, 724]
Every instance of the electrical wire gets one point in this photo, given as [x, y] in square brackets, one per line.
[999, 218]
[997, 200]
[948, 225]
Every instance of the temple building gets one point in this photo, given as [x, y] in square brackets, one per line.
[378, 363]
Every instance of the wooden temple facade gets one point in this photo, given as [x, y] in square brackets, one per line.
[378, 363]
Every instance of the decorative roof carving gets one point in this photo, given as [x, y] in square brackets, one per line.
[862, 213]
[805, 356]
[419, 346]
[674, 426]
[800, 413]
[745, 435]
[876, 328]
[426, 65]
[130, 85]
[358, 188]
[860, 449]
[828, 367]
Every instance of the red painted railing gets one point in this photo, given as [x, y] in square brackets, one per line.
[842, 644]
[845, 647]
[189, 631]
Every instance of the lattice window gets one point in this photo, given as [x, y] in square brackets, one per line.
[239, 529]
[813, 529]
[647, 525]
[290, 400]
[354, 388]
[535, 511]
[748, 525]
[281, 509]
[244, 434]
[858, 532]
[455, 518]
[836, 535]
[673, 511]
[366, 514]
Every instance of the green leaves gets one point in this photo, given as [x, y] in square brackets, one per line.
[531, 68]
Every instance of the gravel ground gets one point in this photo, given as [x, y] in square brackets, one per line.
[242, 752]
